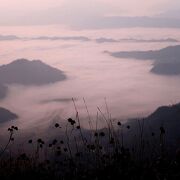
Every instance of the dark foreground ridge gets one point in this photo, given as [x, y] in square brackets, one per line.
[138, 149]
[167, 117]
[166, 61]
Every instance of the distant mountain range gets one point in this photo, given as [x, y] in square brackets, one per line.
[135, 40]
[86, 39]
[166, 60]
[6, 115]
[23, 71]
[53, 38]
[67, 38]
[8, 37]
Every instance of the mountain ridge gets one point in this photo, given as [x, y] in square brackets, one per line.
[26, 72]
[6, 115]
[166, 60]
[23, 71]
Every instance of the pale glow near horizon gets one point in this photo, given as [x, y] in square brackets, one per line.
[130, 7]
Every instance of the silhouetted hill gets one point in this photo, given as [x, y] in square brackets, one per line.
[166, 68]
[27, 72]
[167, 60]
[6, 115]
[165, 54]
[167, 117]
[167, 114]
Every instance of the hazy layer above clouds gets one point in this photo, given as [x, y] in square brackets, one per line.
[89, 13]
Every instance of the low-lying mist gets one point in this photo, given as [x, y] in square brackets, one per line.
[128, 86]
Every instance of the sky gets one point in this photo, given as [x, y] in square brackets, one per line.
[15, 12]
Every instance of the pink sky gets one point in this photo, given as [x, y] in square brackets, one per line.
[131, 7]
[19, 12]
